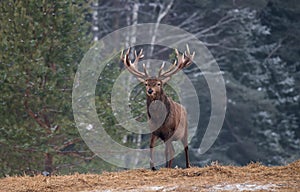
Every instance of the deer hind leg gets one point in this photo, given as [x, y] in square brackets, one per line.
[186, 149]
[152, 142]
[169, 153]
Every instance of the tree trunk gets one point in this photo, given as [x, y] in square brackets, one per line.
[48, 163]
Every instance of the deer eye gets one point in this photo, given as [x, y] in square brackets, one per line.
[158, 84]
[146, 84]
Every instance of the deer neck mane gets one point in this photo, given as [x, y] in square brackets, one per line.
[162, 97]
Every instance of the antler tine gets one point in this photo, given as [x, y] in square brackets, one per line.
[184, 60]
[176, 51]
[121, 56]
[188, 53]
[161, 68]
[145, 70]
[189, 56]
[172, 66]
[138, 56]
[187, 49]
[132, 67]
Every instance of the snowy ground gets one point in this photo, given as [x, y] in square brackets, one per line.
[221, 187]
[244, 187]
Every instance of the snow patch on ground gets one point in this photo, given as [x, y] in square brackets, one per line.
[243, 187]
[160, 188]
[221, 187]
[141, 189]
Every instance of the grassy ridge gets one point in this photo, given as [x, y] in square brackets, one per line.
[211, 178]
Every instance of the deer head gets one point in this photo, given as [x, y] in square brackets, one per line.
[154, 84]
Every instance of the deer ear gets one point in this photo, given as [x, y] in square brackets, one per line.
[141, 80]
[165, 80]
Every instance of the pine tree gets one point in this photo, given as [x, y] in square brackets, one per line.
[42, 43]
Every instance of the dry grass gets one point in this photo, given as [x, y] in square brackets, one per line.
[211, 178]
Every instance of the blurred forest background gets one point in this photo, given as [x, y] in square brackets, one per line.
[255, 42]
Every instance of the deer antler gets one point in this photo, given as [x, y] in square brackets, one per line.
[132, 67]
[184, 60]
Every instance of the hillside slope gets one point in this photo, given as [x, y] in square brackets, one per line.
[254, 177]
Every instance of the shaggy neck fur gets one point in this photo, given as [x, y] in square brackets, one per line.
[161, 97]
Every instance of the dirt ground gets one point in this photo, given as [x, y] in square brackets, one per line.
[253, 177]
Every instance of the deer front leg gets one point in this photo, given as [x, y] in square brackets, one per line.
[169, 153]
[152, 142]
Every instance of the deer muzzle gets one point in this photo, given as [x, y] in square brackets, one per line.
[150, 91]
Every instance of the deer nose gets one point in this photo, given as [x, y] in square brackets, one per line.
[150, 91]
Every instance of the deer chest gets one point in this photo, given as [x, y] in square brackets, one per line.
[164, 133]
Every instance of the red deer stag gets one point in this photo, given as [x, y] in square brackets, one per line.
[168, 121]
